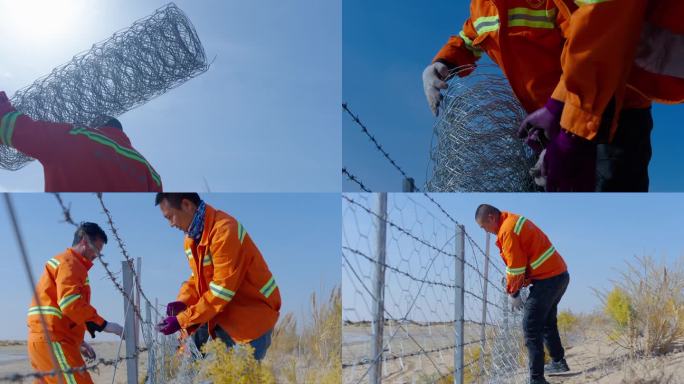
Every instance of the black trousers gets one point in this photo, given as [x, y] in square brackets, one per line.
[540, 324]
[622, 165]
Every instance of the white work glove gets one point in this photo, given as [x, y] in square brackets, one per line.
[536, 171]
[434, 77]
[114, 328]
[516, 303]
[88, 351]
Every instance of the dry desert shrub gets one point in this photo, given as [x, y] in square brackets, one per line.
[646, 307]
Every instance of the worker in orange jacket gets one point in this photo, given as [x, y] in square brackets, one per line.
[230, 288]
[79, 159]
[530, 258]
[527, 39]
[64, 293]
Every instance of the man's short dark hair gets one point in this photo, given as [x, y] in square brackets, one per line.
[485, 210]
[93, 231]
[174, 199]
[113, 122]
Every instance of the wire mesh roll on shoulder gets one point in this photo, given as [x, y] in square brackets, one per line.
[476, 147]
[155, 54]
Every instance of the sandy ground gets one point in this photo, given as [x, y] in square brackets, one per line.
[13, 359]
[592, 359]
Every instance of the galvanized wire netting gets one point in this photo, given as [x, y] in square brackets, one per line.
[155, 54]
[421, 313]
[475, 147]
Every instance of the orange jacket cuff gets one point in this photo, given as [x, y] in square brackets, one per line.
[183, 320]
[581, 123]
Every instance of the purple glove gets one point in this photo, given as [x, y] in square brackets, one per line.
[169, 326]
[175, 307]
[570, 164]
[542, 125]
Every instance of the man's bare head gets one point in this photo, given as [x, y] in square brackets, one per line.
[488, 218]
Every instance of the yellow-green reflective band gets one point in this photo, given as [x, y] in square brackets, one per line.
[220, 292]
[269, 287]
[53, 263]
[7, 127]
[63, 364]
[519, 225]
[188, 253]
[123, 151]
[516, 271]
[469, 44]
[544, 256]
[486, 24]
[67, 300]
[589, 2]
[45, 310]
[207, 260]
[525, 17]
[87, 281]
[241, 232]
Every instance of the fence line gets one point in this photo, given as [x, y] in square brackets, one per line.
[420, 310]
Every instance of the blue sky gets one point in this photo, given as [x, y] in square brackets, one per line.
[386, 46]
[595, 234]
[298, 234]
[265, 117]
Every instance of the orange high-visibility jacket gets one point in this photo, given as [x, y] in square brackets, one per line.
[230, 284]
[525, 38]
[77, 159]
[615, 49]
[64, 294]
[526, 251]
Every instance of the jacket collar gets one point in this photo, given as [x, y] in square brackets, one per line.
[86, 263]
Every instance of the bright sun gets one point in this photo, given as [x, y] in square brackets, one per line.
[41, 20]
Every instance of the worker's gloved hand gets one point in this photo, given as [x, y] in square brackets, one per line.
[542, 125]
[175, 307]
[516, 303]
[169, 325]
[5, 105]
[88, 351]
[570, 164]
[114, 328]
[434, 80]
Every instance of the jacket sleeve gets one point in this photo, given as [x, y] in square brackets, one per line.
[516, 262]
[459, 50]
[188, 291]
[70, 281]
[602, 37]
[230, 267]
[41, 140]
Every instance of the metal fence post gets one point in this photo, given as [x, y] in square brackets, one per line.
[483, 329]
[459, 305]
[130, 331]
[379, 293]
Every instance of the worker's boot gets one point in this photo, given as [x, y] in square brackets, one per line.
[539, 381]
[556, 367]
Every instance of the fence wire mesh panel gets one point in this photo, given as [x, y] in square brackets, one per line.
[475, 147]
[155, 54]
[420, 310]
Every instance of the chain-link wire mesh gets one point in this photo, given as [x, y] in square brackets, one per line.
[155, 54]
[420, 313]
[475, 147]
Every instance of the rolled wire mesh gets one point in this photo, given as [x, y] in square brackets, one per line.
[475, 147]
[420, 290]
[155, 54]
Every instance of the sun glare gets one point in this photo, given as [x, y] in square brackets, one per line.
[41, 20]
